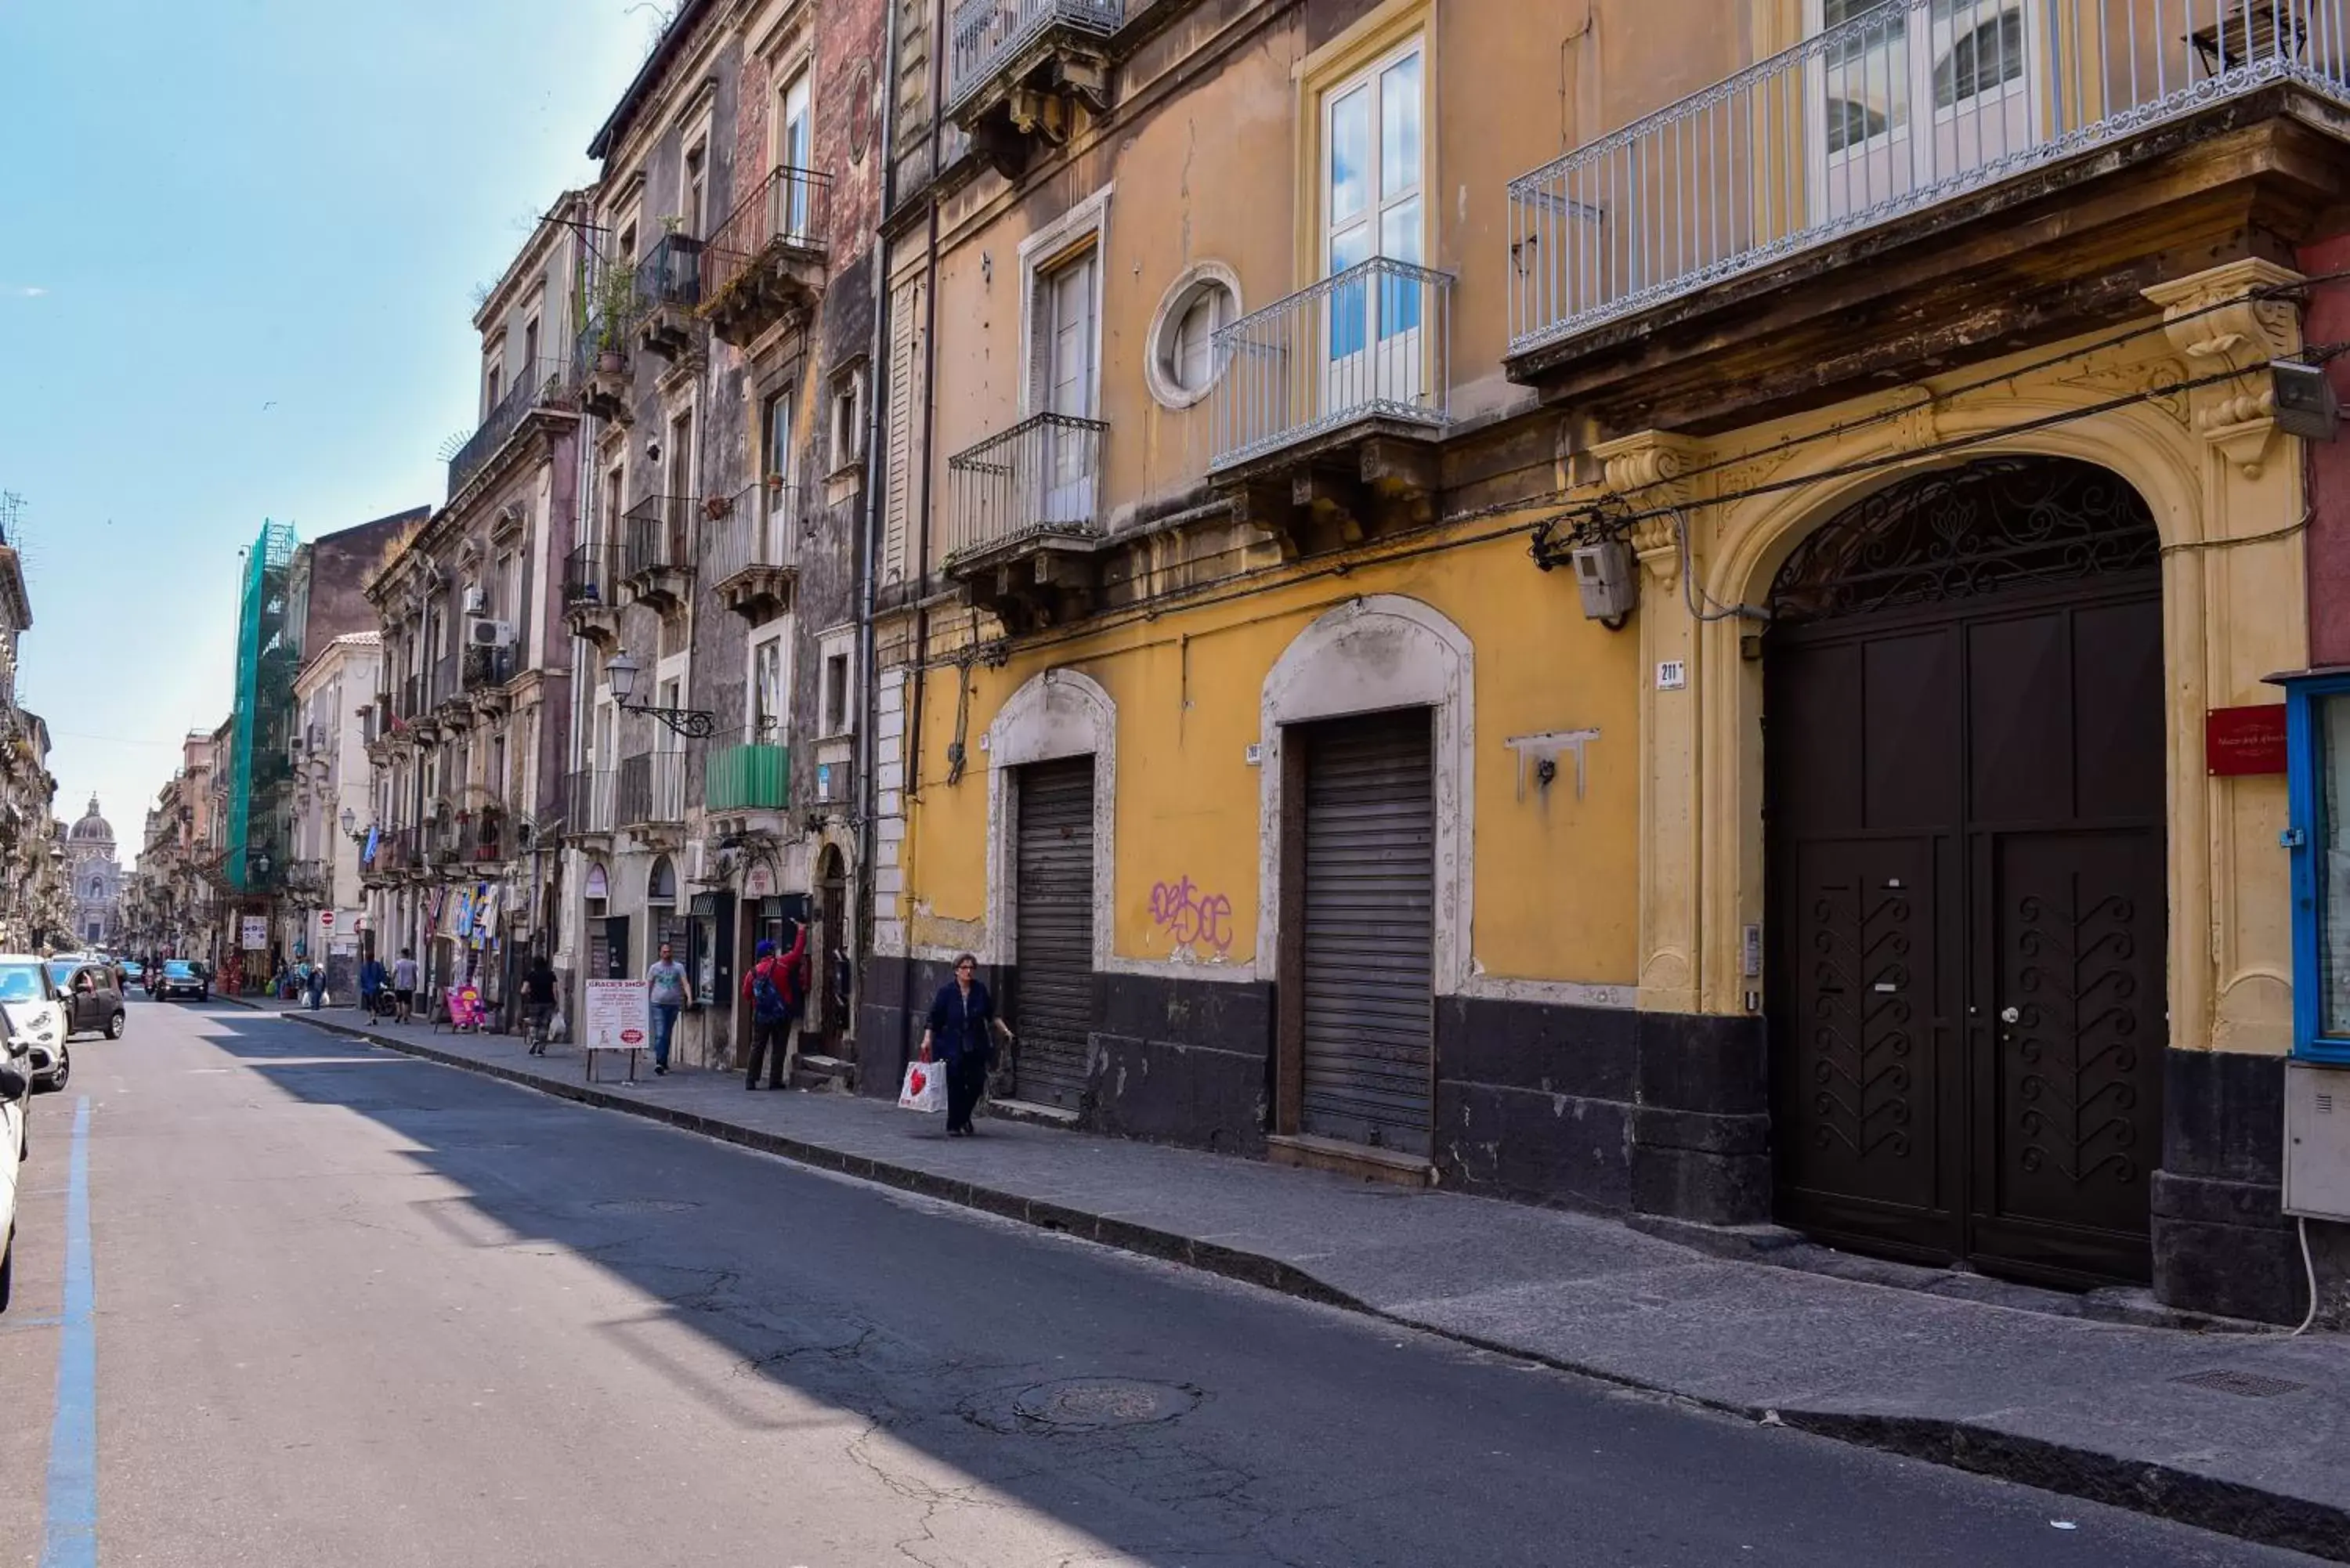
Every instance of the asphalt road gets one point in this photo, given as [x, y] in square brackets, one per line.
[353, 1310]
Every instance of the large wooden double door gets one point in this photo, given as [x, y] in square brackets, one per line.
[1965, 799]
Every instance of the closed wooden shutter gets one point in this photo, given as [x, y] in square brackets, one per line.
[1369, 931]
[907, 381]
[1054, 930]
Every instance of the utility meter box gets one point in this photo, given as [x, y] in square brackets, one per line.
[2316, 1141]
[1610, 580]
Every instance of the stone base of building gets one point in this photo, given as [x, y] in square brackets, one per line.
[1183, 1061]
[1598, 1108]
[2222, 1242]
[1604, 1108]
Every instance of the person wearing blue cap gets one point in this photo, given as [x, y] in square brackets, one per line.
[773, 991]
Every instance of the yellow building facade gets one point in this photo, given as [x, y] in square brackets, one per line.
[1452, 614]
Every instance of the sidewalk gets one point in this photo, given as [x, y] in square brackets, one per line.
[2243, 1433]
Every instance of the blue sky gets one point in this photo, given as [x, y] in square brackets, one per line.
[238, 247]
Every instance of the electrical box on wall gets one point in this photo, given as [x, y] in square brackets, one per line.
[2316, 1141]
[1609, 580]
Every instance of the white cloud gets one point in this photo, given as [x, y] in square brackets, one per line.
[27, 291]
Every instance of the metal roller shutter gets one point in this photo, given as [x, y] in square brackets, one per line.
[1369, 904]
[1054, 930]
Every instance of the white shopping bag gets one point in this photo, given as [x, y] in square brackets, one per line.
[925, 1089]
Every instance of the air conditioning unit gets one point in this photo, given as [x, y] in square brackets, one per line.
[489, 634]
[476, 601]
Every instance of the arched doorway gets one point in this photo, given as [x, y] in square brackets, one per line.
[828, 955]
[1965, 816]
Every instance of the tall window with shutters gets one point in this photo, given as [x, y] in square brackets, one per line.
[1064, 379]
[909, 389]
[1372, 178]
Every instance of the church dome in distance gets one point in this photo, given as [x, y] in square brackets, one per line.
[92, 827]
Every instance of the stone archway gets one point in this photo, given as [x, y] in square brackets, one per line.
[1965, 848]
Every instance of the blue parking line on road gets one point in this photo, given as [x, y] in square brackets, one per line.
[71, 1540]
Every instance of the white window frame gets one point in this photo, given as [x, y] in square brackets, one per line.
[845, 437]
[841, 642]
[494, 384]
[1159, 371]
[693, 207]
[775, 634]
[1042, 253]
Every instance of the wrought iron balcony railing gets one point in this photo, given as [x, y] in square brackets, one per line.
[766, 263]
[1371, 342]
[748, 778]
[488, 667]
[988, 33]
[542, 383]
[790, 209]
[588, 577]
[1041, 476]
[1898, 108]
[657, 535]
[587, 795]
[761, 527]
[651, 789]
[671, 273]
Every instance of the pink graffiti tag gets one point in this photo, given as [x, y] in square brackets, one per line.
[1192, 917]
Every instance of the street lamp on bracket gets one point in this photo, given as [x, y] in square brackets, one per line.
[621, 671]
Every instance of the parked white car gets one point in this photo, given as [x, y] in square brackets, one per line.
[36, 1013]
[15, 1101]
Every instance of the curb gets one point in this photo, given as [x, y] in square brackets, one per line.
[2226, 1508]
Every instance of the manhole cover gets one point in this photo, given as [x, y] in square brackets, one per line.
[2251, 1385]
[1096, 1404]
[643, 1206]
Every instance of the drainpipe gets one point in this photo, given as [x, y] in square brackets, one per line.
[913, 750]
[877, 478]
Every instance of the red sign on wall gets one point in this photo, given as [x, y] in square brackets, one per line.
[2242, 741]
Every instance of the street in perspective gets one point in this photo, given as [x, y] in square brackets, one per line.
[1175, 783]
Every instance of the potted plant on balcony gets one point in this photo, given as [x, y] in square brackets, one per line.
[613, 301]
[716, 507]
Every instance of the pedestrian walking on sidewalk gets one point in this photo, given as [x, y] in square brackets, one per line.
[962, 1032]
[403, 986]
[538, 1002]
[774, 989]
[371, 983]
[671, 991]
[317, 986]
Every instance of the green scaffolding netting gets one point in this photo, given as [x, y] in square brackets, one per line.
[268, 648]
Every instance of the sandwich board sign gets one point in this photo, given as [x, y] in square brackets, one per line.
[615, 1016]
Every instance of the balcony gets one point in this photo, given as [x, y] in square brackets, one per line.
[1025, 519]
[754, 552]
[1017, 71]
[669, 288]
[766, 262]
[657, 554]
[600, 357]
[590, 800]
[748, 778]
[1777, 238]
[591, 606]
[485, 672]
[482, 837]
[1329, 403]
[542, 386]
[650, 790]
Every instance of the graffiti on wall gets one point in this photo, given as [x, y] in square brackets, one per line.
[1199, 921]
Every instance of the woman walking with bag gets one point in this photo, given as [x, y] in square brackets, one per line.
[962, 1030]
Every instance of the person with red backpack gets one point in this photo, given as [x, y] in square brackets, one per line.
[774, 989]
